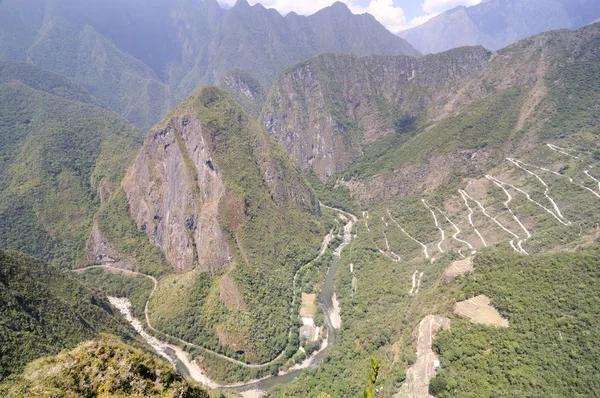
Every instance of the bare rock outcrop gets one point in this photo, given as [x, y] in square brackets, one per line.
[174, 190]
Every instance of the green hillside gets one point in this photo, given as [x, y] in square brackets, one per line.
[268, 215]
[550, 348]
[60, 157]
[508, 180]
[141, 64]
[44, 310]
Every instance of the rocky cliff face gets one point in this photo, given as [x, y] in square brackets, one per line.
[246, 90]
[215, 193]
[178, 192]
[335, 110]
[174, 190]
[327, 109]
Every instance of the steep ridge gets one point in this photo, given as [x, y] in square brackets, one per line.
[141, 58]
[327, 110]
[498, 23]
[61, 156]
[214, 193]
[334, 109]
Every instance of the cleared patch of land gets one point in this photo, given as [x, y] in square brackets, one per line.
[230, 293]
[308, 307]
[480, 310]
[423, 370]
[458, 268]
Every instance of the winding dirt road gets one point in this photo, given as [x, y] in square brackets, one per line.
[326, 240]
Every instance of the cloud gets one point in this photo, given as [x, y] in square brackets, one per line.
[384, 11]
[417, 21]
[437, 6]
[390, 16]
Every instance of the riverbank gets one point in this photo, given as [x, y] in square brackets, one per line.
[251, 388]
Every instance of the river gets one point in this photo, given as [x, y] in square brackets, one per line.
[327, 302]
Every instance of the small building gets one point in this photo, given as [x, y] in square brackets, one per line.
[306, 332]
[436, 364]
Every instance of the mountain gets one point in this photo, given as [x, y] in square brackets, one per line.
[98, 366]
[240, 41]
[495, 24]
[327, 110]
[141, 58]
[232, 214]
[61, 156]
[478, 205]
[45, 310]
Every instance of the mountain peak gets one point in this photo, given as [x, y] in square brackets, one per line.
[241, 4]
[338, 6]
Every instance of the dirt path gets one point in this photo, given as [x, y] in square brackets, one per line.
[389, 253]
[322, 250]
[456, 238]
[420, 374]
[407, 234]
[528, 198]
[561, 150]
[509, 198]
[587, 173]
[464, 196]
[192, 367]
[124, 307]
[546, 190]
[495, 220]
[437, 224]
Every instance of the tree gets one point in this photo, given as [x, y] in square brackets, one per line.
[437, 385]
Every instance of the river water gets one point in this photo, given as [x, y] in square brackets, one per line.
[326, 302]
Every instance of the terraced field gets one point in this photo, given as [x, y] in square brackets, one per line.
[480, 310]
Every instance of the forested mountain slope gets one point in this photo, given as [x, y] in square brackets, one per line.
[45, 310]
[226, 206]
[335, 109]
[496, 170]
[142, 58]
[61, 155]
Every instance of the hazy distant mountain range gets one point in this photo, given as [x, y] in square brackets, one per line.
[497, 23]
[143, 57]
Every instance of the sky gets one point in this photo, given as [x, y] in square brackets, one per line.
[396, 15]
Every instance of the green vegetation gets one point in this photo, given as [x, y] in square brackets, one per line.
[482, 124]
[115, 221]
[573, 94]
[44, 310]
[275, 229]
[332, 194]
[100, 368]
[136, 288]
[59, 158]
[368, 392]
[550, 348]
[246, 90]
